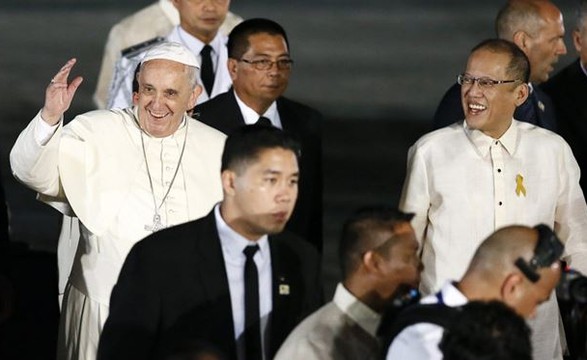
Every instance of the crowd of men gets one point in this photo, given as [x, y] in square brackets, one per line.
[192, 201]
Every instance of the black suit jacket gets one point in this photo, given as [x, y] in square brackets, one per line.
[305, 125]
[450, 109]
[173, 289]
[568, 90]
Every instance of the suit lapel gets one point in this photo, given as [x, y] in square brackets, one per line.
[286, 289]
[215, 281]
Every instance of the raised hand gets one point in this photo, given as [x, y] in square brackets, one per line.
[59, 94]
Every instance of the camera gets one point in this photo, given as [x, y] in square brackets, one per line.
[572, 287]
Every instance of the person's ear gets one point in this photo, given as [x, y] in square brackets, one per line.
[228, 182]
[521, 39]
[232, 65]
[521, 93]
[194, 96]
[511, 288]
[577, 41]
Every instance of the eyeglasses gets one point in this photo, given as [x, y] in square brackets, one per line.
[484, 83]
[266, 64]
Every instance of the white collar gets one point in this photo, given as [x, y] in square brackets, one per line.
[195, 45]
[250, 116]
[363, 315]
[483, 142]
[234, 243]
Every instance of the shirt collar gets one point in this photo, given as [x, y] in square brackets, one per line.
[582, 67]
[251, 115]
[364, 316]
[483, 142]
[233, 243]
[452, 296]
[195, 45]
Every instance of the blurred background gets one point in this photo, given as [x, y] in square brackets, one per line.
[376, 69]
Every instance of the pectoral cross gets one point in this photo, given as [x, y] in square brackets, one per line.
[157, 225]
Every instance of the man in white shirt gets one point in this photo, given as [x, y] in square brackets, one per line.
[198, 30]
[123, 173]
[190, 282]
[157, 19]
[499, 271]
[379, 260]
[468, 179]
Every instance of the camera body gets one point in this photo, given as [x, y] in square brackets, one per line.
[572, 287]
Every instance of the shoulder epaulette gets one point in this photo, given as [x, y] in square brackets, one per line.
[136, 49]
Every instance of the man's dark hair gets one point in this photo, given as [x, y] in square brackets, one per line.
[238, 39]
[519, 65]
[358, 233]
[244, 145]
[487, 331]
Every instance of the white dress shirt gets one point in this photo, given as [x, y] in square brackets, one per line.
[463, 185]
[251, 115]
[420, 341]
[460, 195]
[233, 245]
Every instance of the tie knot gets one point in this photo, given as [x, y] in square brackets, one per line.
[206, 50]
[250, 251]
[263, 121]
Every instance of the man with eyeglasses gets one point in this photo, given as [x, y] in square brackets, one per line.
[501, 269]
[260, 65]
[468, 179]
[536, 27]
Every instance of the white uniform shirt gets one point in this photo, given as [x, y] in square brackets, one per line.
[420, 341]
[233, 245]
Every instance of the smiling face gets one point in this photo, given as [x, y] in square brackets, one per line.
[202, 18]
[260, 196]
[165, 94]
[259, 88]
[491, 109]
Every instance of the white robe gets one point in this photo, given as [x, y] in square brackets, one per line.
[95, 168]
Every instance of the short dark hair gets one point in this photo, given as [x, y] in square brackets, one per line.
[489, 331]
[519, 65]
[244, 145]
[238, 39]
[358, 230]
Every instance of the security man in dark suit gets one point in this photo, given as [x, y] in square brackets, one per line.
[568, 89]
[232, 278]
[536, 27]
[259, 64]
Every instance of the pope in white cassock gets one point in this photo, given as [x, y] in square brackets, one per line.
[124, 173]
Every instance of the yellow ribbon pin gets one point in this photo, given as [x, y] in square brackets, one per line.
[520, 185]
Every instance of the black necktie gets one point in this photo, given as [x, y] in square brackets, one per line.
[207, 71]
[263, 121]
[252, 315]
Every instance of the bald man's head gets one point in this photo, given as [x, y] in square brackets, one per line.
[536, 26]
[493, 273]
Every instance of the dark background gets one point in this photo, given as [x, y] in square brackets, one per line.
[375, 68]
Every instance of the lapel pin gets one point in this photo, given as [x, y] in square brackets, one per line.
[541, 105]
[283, 289]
